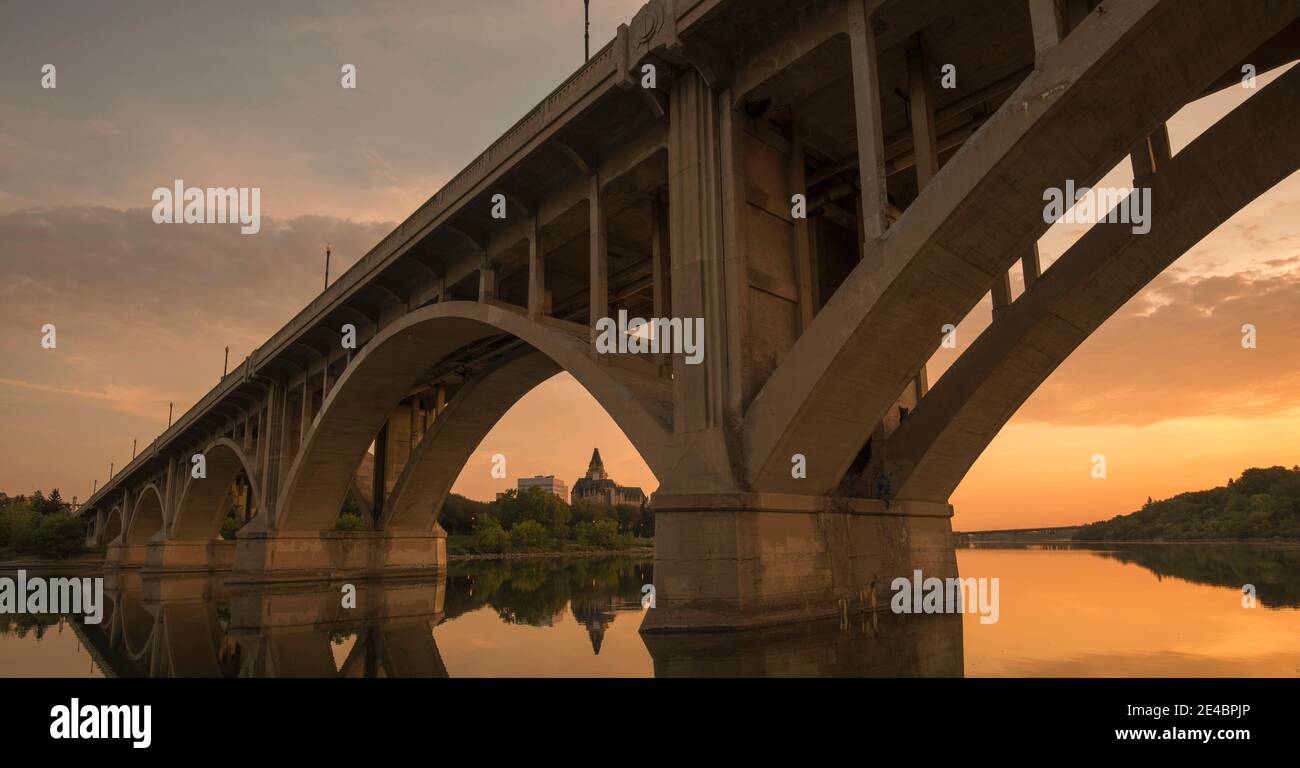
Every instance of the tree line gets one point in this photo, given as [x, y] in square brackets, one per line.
[1263, 503]
[533, 519]
[41, 525]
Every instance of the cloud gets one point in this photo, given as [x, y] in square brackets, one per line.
[143, 311]
[200, 93]
[1176, 351]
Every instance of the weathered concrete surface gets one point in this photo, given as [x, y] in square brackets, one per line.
[736, 561]
[176, 556]
[122, 555]
[1233, 162]
[312, 556]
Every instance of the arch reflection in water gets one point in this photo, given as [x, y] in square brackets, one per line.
[193, 626]
[174, 626]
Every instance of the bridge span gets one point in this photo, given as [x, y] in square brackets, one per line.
[806, 461]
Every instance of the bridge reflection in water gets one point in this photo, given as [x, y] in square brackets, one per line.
[196, 626]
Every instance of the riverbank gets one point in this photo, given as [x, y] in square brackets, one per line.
[574, 553]
[460, 547]
[93, 562]
[13, 561]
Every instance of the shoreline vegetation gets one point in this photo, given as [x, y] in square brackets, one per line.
[1262, 504]
[1260, 507]
[39, 525]
[533, 522]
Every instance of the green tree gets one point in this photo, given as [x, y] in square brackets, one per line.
[58, 536]
[230, 526]
[16, 525]
[528, 534]
[547, 509]
[601, 534]
[459, 513]
[350, 522]
[489, 536]
[1262, 503]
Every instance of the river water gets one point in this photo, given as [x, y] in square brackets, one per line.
[1124, 610]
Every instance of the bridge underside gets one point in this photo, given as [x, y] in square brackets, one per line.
[805, 461]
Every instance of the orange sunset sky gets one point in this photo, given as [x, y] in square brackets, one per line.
[247, 94]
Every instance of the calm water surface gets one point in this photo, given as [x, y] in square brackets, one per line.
[1132, 610]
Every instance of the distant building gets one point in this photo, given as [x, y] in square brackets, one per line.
[597, 487]
[548, 484]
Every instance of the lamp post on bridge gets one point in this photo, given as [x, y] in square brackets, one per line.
[327, 265]
[586, 30]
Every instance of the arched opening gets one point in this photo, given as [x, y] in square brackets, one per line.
[1200, 189]
[403, 358]
[147, 519]
[112, 526]
[137, 624]
[556, 459]
[219, 503]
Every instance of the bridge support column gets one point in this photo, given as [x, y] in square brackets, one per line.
[732, 561]
[266, 556]
[197, 556]
[95, 537]
[122, 555]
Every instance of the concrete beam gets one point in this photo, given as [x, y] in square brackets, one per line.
[1211, 179]
[944, 254]
[870, 134]
[598, 303]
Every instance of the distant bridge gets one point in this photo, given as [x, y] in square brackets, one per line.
[676, 201]
[1061, 533]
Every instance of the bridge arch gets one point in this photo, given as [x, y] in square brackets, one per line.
[147, 517]
[1223, 170]
[199, 512]
[138, 624]
[392, 363]
[981, 213]
[435, 464]
[112, 526]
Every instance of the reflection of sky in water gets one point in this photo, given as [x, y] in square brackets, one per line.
[1062, 613]
[1081, 613]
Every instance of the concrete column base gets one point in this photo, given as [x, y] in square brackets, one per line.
[188, 556]
[124, 555]
[267, 556]
[735, 561]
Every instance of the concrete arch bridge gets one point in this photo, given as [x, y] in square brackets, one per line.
[677, 201]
